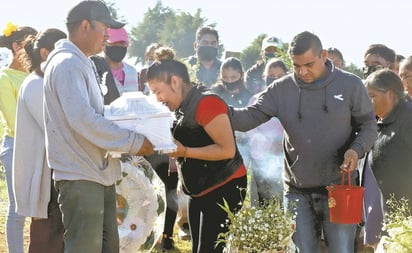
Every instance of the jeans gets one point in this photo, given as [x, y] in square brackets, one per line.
[89, 216]
[14, 222]
[312, 219]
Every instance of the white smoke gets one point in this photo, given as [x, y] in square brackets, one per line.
[261, 149]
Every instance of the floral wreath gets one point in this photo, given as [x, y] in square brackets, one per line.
[141, 206]
[9, 29]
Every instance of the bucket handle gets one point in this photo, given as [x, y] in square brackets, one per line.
[343, 178]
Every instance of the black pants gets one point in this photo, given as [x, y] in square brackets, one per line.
[206, 217]
[46, 235]
[160, 164]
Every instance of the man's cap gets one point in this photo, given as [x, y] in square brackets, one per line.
[271, 41]
[92, 10]
[116, 35]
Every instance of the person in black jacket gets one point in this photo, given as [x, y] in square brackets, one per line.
[210, 166]
[254, 75]
[231, 87]
[390, 159]
[204, 66]
[106, 78]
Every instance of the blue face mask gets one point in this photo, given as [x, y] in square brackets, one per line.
[269, 56]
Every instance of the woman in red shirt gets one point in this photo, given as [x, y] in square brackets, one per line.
[210, 166]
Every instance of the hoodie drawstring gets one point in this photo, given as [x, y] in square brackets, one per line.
[299, 105]
[325, 104]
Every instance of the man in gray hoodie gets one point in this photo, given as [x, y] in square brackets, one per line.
[78, 137]
[329, 123]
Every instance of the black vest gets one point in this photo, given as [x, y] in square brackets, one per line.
[199, 175]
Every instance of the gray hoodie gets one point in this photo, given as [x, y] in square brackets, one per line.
[77, 134]
[320, 120]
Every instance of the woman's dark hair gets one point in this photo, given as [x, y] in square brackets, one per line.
[17, 36]
[232, 62]
[164, 67]
[33, 44]
[275, 62]
[384, 80]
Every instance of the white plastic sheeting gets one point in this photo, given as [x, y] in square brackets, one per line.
[135, 111]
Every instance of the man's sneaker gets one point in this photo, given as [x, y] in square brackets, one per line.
[184, 232]
[167, 243]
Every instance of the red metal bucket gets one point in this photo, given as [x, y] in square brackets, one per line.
[345, 202]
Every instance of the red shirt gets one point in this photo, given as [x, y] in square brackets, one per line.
[210, 107]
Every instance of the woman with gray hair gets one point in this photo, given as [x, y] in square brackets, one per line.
[389, 158]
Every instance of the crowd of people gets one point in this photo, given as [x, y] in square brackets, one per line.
[272, 130]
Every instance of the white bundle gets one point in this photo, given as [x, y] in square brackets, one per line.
[135, 111]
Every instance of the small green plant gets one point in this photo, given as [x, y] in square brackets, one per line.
[398, 226]
[266, 227]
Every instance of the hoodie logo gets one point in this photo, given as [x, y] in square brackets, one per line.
[338, 97]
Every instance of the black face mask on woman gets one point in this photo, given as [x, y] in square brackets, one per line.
[269, 80]
[116, 53]
[207, 53]
[234, 85]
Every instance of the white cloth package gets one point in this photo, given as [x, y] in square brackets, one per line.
[135, 111]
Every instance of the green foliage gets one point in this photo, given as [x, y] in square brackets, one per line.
[149, 30]
[398, 226]
[114, 11]
[169, 27]
[284, 56]
[184, 27]
[251, 53]
[352, 68]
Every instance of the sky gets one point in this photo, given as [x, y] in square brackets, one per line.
[349, 25]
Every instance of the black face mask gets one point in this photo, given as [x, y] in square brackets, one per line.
[207, 53]
[269, 80]
[370, 69]
[233, 86]
[116, 53]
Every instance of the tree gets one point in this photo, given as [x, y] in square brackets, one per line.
[114, 10]
[251, 53]
[149, 30]
[354, 70]
[168, 27]
[184, 27]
